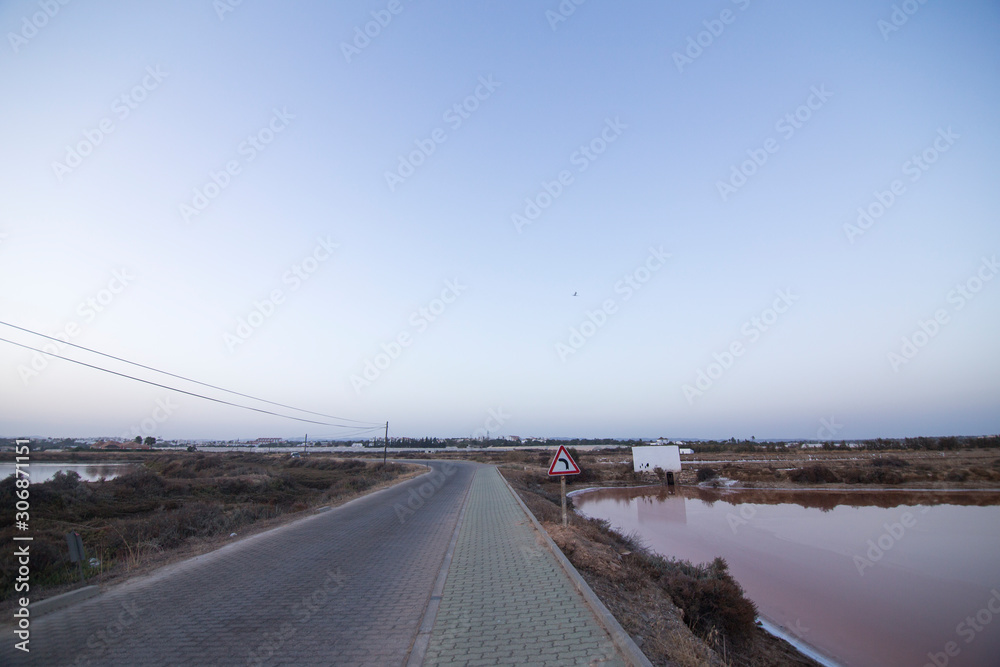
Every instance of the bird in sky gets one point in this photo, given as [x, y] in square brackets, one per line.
[574, 293]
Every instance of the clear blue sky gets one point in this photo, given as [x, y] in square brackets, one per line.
[722, 179]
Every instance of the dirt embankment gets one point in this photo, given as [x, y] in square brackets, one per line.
[677, 612]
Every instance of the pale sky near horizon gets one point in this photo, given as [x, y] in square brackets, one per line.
[393, 225]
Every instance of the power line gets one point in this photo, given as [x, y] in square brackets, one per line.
[360, 432]
[182, 391]
[181, 377]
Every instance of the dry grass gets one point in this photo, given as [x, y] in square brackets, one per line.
[173, 505]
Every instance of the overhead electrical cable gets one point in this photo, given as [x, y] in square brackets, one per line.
[180, 377]
[181, 391]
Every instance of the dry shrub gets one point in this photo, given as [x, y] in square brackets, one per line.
[877, 474]
[705, 474]
[813, 474]
[889, 462]
[708, 595]
[140, 483]
[624, 472]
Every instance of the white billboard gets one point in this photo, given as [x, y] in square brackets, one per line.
[650, 457]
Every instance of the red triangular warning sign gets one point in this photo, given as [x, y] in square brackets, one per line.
[563, 463]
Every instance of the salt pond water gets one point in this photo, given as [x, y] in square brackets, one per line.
[866, 578]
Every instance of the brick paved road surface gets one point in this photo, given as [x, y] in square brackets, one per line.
[507, 601]
[347, 586]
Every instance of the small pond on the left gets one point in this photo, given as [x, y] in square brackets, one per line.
[89, 472]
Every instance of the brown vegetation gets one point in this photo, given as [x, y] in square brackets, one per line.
[964, 469]
[918, 469]
[170, 502]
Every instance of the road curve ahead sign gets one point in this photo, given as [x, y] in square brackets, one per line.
[563, 463]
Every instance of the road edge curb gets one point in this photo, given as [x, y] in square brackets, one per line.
[51, 604]
[621, 639]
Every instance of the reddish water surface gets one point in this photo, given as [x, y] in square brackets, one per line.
[868, 578]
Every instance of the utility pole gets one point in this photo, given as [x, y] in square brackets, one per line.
[304, 441]
[385, 446]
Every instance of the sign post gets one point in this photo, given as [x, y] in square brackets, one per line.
[76, 553]
[562, 465]
[562, 495]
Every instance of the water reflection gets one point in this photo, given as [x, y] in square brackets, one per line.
[811, 498]
[868, 577]
[88, 472]
[663, 507]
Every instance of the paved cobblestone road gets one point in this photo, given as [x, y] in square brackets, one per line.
[507, 601]
[347, 586]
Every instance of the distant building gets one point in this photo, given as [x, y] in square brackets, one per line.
[114, 444]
